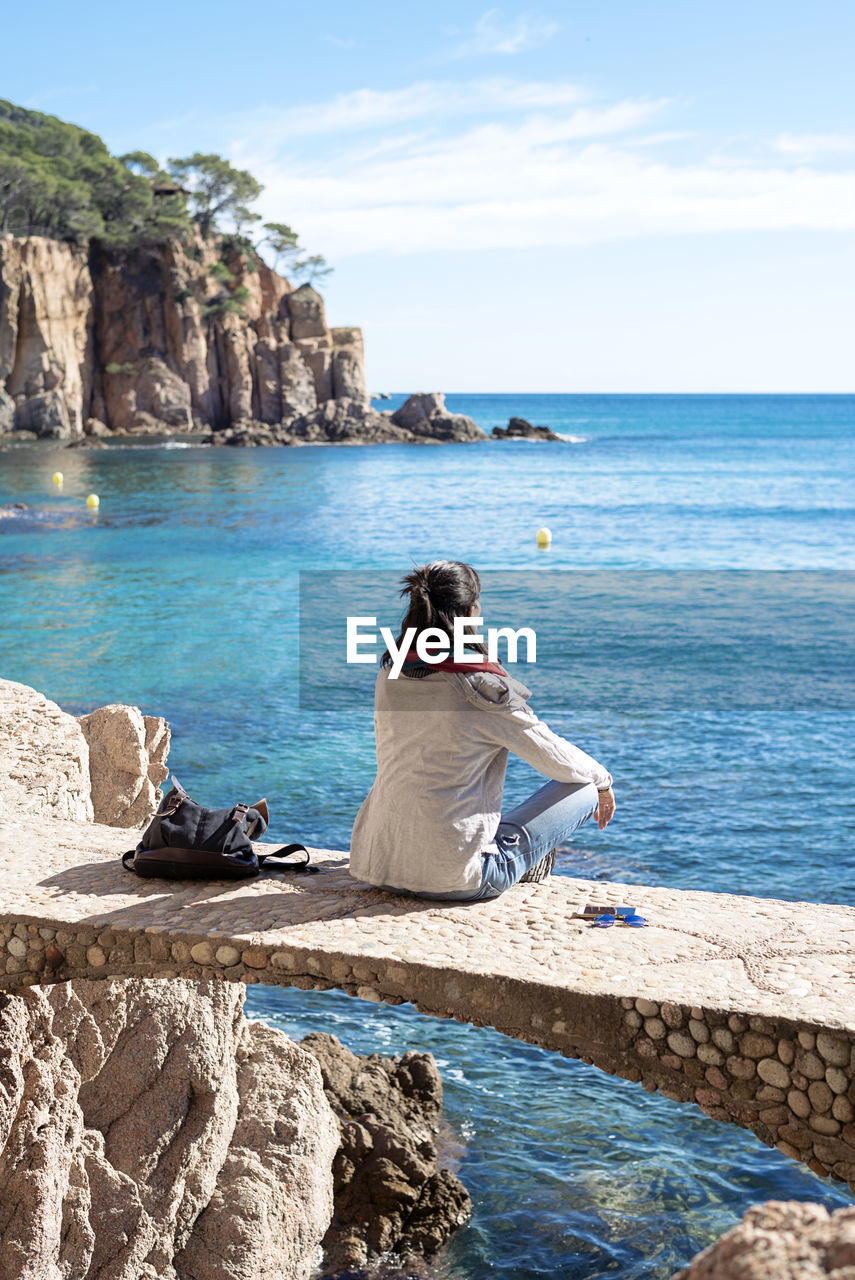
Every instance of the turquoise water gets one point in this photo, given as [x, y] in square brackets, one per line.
[694, 618]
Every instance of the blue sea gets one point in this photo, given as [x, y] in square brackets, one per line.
[695, 633]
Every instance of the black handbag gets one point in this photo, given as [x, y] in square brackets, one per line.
[186, 841]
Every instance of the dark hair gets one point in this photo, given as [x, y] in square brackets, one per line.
[439, 592]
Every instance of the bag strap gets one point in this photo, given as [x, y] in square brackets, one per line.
[286, 851]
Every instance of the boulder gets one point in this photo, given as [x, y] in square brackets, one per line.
[44, 758]
[419, 407]
[425, 416]
[345, 421]
[127, 755]
[96, 428]
[148, 1132]
[521, 429]
[251, 432]
[781, 1240]
[449, 427]
[389, 1192]
[46, 414]
[306, 309]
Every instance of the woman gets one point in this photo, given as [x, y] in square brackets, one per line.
[431, 824]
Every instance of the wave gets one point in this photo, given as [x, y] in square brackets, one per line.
[563, 435]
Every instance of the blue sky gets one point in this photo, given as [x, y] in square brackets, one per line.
[604, 196]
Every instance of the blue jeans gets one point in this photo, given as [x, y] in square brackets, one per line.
[526, 834]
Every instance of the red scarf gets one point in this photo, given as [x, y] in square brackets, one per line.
[416, 664]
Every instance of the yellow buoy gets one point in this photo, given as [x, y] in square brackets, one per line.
[58, 478]
[544, 538]
[93, 502]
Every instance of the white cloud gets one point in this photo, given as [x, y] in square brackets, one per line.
[809, 145]
[365, 109]
[552, 174]
[491, 35]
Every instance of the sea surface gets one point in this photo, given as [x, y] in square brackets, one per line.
[695, 632]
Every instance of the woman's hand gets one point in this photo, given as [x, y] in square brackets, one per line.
[605, 808]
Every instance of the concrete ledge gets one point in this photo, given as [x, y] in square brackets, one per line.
[743, 1006]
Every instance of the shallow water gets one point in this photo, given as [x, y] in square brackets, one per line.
[686, 638]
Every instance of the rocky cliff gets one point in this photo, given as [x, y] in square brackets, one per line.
[149, 1132]
[165, 339]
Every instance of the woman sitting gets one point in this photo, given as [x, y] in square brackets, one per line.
[432, 824]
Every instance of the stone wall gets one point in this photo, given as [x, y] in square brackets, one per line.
[791, 1083]
[141, 341]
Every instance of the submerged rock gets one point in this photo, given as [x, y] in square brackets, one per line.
[390, 1196]
[781, 1241]
[522, 429]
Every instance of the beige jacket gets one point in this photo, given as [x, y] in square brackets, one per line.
[442, 750]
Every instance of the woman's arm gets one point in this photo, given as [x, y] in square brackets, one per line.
[507, 720]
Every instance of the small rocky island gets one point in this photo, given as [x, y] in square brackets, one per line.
[522, 429]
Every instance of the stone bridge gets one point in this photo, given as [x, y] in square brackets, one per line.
[741, 1005]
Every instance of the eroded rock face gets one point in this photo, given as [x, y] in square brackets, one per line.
[44, 757]
[781, 1240]
[105, 767]
[127, 763]
[146, 341]
[389, 1193]
[46, 335]
[148, 1132]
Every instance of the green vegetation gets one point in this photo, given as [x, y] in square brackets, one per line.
[59, 180]
[220, 272]
[127, 367]
[216, 190]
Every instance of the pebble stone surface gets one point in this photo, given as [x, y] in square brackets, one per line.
[745, 1006]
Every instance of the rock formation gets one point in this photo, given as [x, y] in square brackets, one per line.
[781, 1241]
[169, 339]
[427, 418]
[104, 767]
[389, 1194]
[127, 754]
[521, 429]
[44, 757]
[422, 419]
[148, 1132]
